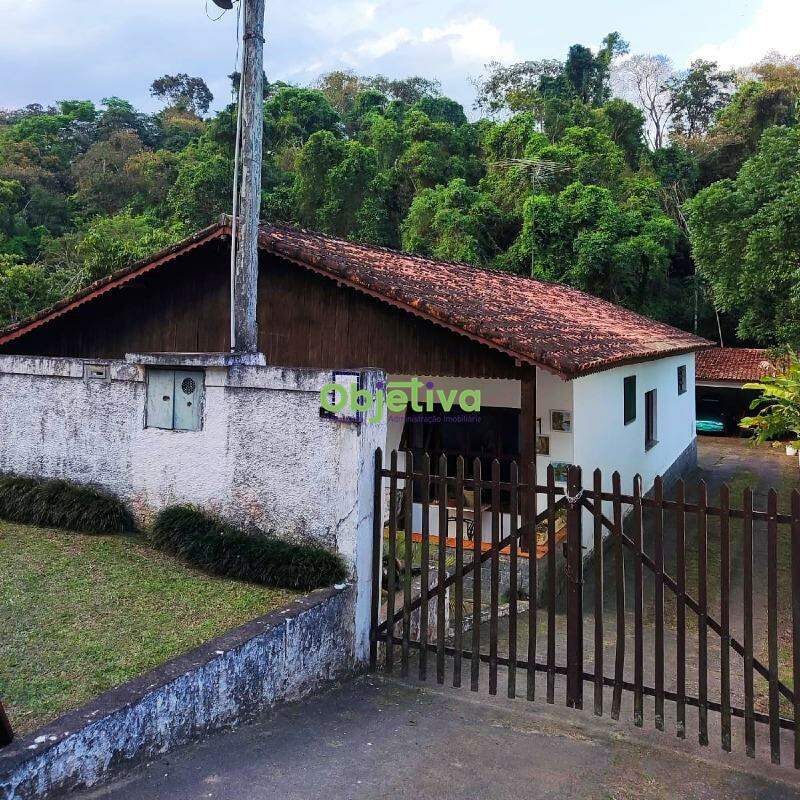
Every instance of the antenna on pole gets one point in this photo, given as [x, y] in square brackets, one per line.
[540, 172]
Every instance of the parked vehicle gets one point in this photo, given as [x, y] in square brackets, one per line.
[711, 416]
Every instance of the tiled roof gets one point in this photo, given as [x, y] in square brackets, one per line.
[739, 364]
[531, 320]
[551, 324]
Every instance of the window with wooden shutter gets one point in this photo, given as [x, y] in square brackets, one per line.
[650, 420]
[682, 379]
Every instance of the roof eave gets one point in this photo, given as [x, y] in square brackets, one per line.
[655, 355]
[305, 262]
[114, 281]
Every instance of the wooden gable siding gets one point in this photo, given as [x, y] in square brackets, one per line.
[307, 320]
[183, 307]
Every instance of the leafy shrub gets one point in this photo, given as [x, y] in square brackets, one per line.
[217, 547]
[61, 504]
[779, 403]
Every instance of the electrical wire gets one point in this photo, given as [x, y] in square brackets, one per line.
[215, 19]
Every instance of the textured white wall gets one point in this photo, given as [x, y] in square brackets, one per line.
[264, 457]
[602, 440]
[553, 394]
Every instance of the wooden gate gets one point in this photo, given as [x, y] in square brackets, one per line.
[651, 574]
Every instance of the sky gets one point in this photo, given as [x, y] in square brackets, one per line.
[52, 50]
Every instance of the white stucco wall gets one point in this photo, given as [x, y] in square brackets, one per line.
[553, 394]
[264, 457]
[599, 437]
[603, 440]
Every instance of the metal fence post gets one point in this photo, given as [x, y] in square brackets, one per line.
[574, 587]
[6, 731]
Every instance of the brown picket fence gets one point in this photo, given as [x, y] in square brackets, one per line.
[656, 579]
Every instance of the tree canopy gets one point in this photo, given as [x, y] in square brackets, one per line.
[674, 193]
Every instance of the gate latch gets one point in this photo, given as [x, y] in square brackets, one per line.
[573, 500]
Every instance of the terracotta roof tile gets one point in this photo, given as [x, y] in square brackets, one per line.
[565, 329]
[534, 321]
[739, 364]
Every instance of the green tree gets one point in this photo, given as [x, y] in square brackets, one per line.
[293, 114]
[24, 289]
[455, 222]
[408, 90]
[103, 182]
[183, 93]
[745, 235]
[779, 403]
[341, 87]
[698, 94]
[203, 183]
[339, 190]
[583, 236]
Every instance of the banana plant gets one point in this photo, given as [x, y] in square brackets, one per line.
[779, 404]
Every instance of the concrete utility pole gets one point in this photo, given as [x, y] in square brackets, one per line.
[245, 276]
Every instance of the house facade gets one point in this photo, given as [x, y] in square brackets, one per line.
[563, 376]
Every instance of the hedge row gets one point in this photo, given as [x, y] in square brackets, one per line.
[60, 504]
[219, 548]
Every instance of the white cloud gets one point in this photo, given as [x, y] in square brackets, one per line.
[774, 27]
[335, 20]
[474, 41]
[383, 45]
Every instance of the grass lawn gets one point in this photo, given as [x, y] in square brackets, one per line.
[81, 614]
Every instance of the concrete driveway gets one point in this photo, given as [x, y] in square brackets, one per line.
[382, 738]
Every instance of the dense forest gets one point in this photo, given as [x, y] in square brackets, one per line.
[672, 192]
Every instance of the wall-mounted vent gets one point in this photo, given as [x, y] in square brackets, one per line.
[96, 372]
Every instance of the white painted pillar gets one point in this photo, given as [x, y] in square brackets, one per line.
[355, 516]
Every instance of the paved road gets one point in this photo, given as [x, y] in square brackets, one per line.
[382, 738]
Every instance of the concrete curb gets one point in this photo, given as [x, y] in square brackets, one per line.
[280, 657]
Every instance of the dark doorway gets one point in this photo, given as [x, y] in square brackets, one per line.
[490, 433]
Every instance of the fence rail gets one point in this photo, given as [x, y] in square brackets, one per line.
[673, 580]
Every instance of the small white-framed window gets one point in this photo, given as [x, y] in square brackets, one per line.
[175, 399]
